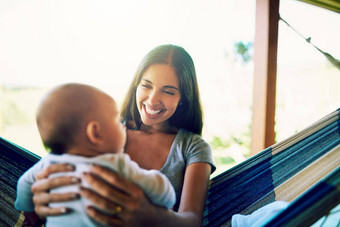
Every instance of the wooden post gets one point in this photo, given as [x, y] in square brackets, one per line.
[265, 64]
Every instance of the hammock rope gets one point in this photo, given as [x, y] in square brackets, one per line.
[335, 62]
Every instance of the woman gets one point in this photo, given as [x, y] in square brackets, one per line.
[163, 115]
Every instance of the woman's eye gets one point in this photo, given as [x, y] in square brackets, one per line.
[169, 92]
[146, 85]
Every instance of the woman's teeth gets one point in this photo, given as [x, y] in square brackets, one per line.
[152, 112]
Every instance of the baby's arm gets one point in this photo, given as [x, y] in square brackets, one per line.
[155, 185]
[24, 200]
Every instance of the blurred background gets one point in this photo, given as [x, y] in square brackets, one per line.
[46, 43]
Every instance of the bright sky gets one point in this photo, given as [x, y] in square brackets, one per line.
[46, 42]
[102, 42]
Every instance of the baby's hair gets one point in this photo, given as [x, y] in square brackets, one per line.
[63, 114]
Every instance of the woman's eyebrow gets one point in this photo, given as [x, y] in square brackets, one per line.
[166, 86]
[148, 81]
[171, 87]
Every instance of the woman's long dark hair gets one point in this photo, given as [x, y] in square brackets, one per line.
[188, 114]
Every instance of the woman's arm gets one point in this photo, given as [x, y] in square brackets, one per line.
[195, 189]
[136, 209]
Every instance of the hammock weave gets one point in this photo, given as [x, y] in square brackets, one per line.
[283, 171]
[14, 161]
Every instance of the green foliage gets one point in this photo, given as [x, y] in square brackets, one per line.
[224, 160]
[18, 106]
[243, 50]
[242, 140]
[219, 143]
[14, 115]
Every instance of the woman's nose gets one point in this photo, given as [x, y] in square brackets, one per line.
[153, 97]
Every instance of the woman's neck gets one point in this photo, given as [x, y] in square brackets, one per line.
[164, 128]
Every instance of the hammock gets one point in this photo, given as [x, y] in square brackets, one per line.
[284, 171]
[315, 203]
[14, 161]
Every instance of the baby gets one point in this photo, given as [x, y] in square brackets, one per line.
[80, 125]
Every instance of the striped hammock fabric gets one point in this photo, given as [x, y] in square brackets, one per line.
[14, 161]
[283, 171]
[291, 170]
[313, 204]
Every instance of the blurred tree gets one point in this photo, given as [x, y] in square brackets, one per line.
[243, 51]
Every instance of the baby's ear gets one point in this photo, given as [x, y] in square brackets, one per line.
[93, 132]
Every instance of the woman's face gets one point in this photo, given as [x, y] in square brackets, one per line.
[158, 95]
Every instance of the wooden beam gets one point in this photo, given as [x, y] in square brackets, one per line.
[265, 64]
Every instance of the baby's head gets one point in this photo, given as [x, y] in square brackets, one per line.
[81, 120]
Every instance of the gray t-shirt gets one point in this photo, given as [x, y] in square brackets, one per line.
[187, 148]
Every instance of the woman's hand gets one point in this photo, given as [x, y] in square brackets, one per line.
[122, 203]
[41, 188]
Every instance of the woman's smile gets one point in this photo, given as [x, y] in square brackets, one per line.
[152, 112]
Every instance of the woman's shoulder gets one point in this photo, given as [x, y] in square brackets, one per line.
[183, 133]
[190, 139]
[195, 148]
